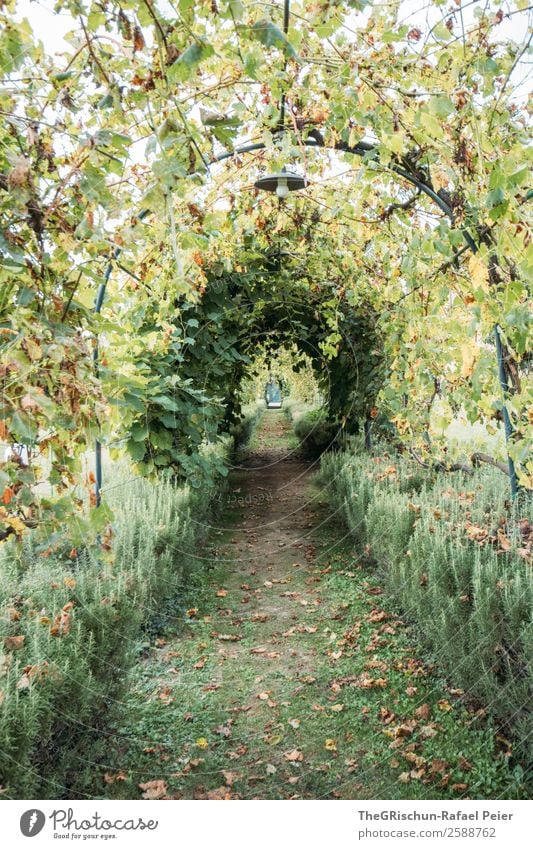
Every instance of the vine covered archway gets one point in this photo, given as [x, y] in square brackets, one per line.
[132, 159]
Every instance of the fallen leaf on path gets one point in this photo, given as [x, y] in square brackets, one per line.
[230, 776]
[368, 683]
[294, 756]
[165, 695]
[386, 715]
[234, 756]
[14, 643]
[415, 759]
[273, 739]
[376, 616]
[438, 765]
[221, 793]
[109, 778]
[154, 789]
[428, 731]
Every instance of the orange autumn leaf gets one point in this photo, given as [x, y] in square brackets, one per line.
[7, 495]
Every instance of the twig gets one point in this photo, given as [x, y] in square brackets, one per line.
[93, 54]
[478, 457]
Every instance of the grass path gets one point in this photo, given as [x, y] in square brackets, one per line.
[293, 676]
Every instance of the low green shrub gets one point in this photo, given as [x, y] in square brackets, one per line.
[242, 430]
[294, 409]
[452, 552]
[316, 432]
[71, 626]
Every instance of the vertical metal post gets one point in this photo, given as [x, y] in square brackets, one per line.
[100, 295]
[508, 427]
[96, 359]
[368, 433]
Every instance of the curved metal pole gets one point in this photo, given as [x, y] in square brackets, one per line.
[362, 148]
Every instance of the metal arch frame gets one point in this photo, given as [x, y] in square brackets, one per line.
[361, 149]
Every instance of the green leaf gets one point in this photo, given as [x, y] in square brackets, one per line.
[270, 36]
[186, 64]
[137, 450]
[100, 517]
[139, 432]
[431, 124]
[441, 106]
[25, 296]
[23, 428]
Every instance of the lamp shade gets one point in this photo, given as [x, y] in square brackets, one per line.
[282, 183]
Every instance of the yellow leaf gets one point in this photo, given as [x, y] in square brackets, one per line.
[468, 353]
[17, 524]
[202, 743]
[330, 744]
[478, 272]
